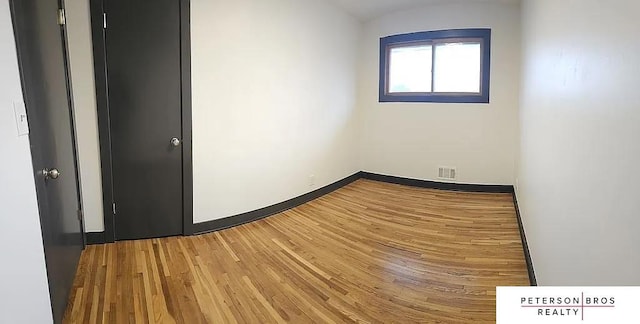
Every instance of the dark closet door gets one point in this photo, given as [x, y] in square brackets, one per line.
[144, 93]
[43, 67]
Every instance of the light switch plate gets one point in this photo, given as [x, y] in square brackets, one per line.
[21, 118]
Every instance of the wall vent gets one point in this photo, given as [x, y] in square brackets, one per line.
[448, 173]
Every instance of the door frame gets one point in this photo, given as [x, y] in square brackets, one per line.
[104, 122]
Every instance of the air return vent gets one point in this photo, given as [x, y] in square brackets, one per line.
[448, 173]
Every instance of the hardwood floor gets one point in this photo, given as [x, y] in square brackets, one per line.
[369, 252]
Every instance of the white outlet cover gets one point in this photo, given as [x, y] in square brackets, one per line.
[21, 118]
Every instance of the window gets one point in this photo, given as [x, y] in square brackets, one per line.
[436, 66]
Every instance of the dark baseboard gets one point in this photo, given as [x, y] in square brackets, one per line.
[247, 217]
[218, 224]
[95, 238]
[438, 185]
[525, 246]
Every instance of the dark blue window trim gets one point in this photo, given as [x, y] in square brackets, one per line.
[477, 33]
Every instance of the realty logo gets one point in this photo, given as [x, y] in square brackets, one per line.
[567, 305]
[560, 306]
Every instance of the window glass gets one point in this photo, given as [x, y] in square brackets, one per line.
[457, 67]
[410, 69]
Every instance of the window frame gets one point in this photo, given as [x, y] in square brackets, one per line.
[472, 35]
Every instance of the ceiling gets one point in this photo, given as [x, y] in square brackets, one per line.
[368, 9]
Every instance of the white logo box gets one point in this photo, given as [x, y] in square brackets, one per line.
[610, 305]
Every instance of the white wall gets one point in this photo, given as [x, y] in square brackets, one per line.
[273, 101]
[413, 139]
[85, 111]
[580, 120]
[24, 294]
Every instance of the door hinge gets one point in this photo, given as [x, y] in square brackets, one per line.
[104, 20]
[80, 215]
[114, 208]
[61, 17]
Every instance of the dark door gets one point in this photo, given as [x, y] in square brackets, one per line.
[144, 94]
[42, 56]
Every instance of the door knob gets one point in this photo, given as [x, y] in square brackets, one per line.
[175, 141]
[51, 174]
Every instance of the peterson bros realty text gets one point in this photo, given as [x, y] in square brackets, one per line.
[565, 306]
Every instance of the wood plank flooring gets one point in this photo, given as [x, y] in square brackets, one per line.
[369, 252]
